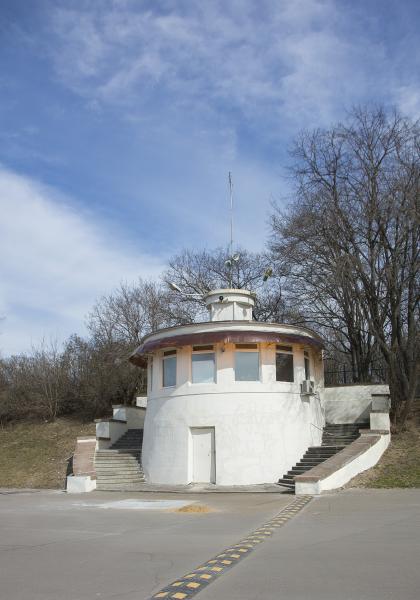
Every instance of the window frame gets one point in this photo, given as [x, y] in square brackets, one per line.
[307, 365]
[287, 350]
[201, 349]
[168, 354]
[243, 349]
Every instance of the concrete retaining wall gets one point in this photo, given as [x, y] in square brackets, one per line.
[350, 403]
[109, 431]
[133, 415]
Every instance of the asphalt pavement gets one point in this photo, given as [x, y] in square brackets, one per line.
[352, 545]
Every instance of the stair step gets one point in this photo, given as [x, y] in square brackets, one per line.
[296, 471]
[117, 470]
[121, 480]
[319, 455]
[329, 447]
[119, 487]
[342, 426]
[112, 464]
[338, 441]
[119, 457]
[117, 451]
[118, 475]
[317, 449]
[340, 437]
[125, 456]
[105, 472]
[326, 452]
[129, 446]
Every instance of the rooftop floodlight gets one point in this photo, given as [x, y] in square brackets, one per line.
[176, 288]
[267, 273]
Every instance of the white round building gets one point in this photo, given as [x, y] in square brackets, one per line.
[231, 401]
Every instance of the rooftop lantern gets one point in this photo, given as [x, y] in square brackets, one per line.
[230, 305]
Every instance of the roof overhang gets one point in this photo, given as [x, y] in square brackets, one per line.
[139, 357]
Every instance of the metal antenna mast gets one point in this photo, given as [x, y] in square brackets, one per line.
[231, 227]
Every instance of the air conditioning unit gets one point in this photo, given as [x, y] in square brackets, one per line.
[307, 387]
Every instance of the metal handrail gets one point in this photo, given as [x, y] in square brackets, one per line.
[323, 432]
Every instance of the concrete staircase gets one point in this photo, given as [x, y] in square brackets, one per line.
[334, 439]
[119, 467]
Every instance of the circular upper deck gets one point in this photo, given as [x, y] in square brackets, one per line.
[213, 332]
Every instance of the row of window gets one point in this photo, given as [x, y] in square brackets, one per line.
[247, 364]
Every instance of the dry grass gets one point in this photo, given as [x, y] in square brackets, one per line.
[399, 467]
[194, 508]
[34, 455]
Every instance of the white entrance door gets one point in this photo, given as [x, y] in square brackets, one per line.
[203, 455]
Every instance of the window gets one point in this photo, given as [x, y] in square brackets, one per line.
[169, 368]
[247, 362]
[203, 364]
[284, 363]
[307, 366]
[151, 374]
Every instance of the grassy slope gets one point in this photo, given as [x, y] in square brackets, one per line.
[400, 465]
[34, 455]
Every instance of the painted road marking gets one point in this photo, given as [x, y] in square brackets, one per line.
[191, 584]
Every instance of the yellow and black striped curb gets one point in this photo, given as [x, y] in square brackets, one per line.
[190, 584]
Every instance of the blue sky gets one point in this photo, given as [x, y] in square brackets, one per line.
[120, 119]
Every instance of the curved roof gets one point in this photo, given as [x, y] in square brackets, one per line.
[213, 332]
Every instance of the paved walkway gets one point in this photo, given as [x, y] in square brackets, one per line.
[355, 545]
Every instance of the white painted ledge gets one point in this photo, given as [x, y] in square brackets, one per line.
[79, 484]
[380, 420]
[366, 453]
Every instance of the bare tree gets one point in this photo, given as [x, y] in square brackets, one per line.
[129, 312]
[33, 385]
[197, 272]
[349, 243]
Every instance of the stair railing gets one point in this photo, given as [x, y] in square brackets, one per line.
[323, 432]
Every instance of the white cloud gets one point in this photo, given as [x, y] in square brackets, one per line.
[294, 59]
[407, 99]
[54, 262]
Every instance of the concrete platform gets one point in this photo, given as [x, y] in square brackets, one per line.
[194, 488]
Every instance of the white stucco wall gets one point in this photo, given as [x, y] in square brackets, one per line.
[380, 421]
[111, 431]
[261, 428]
[134, 415]
[351, 403]
[141, 401]
[79, 484]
